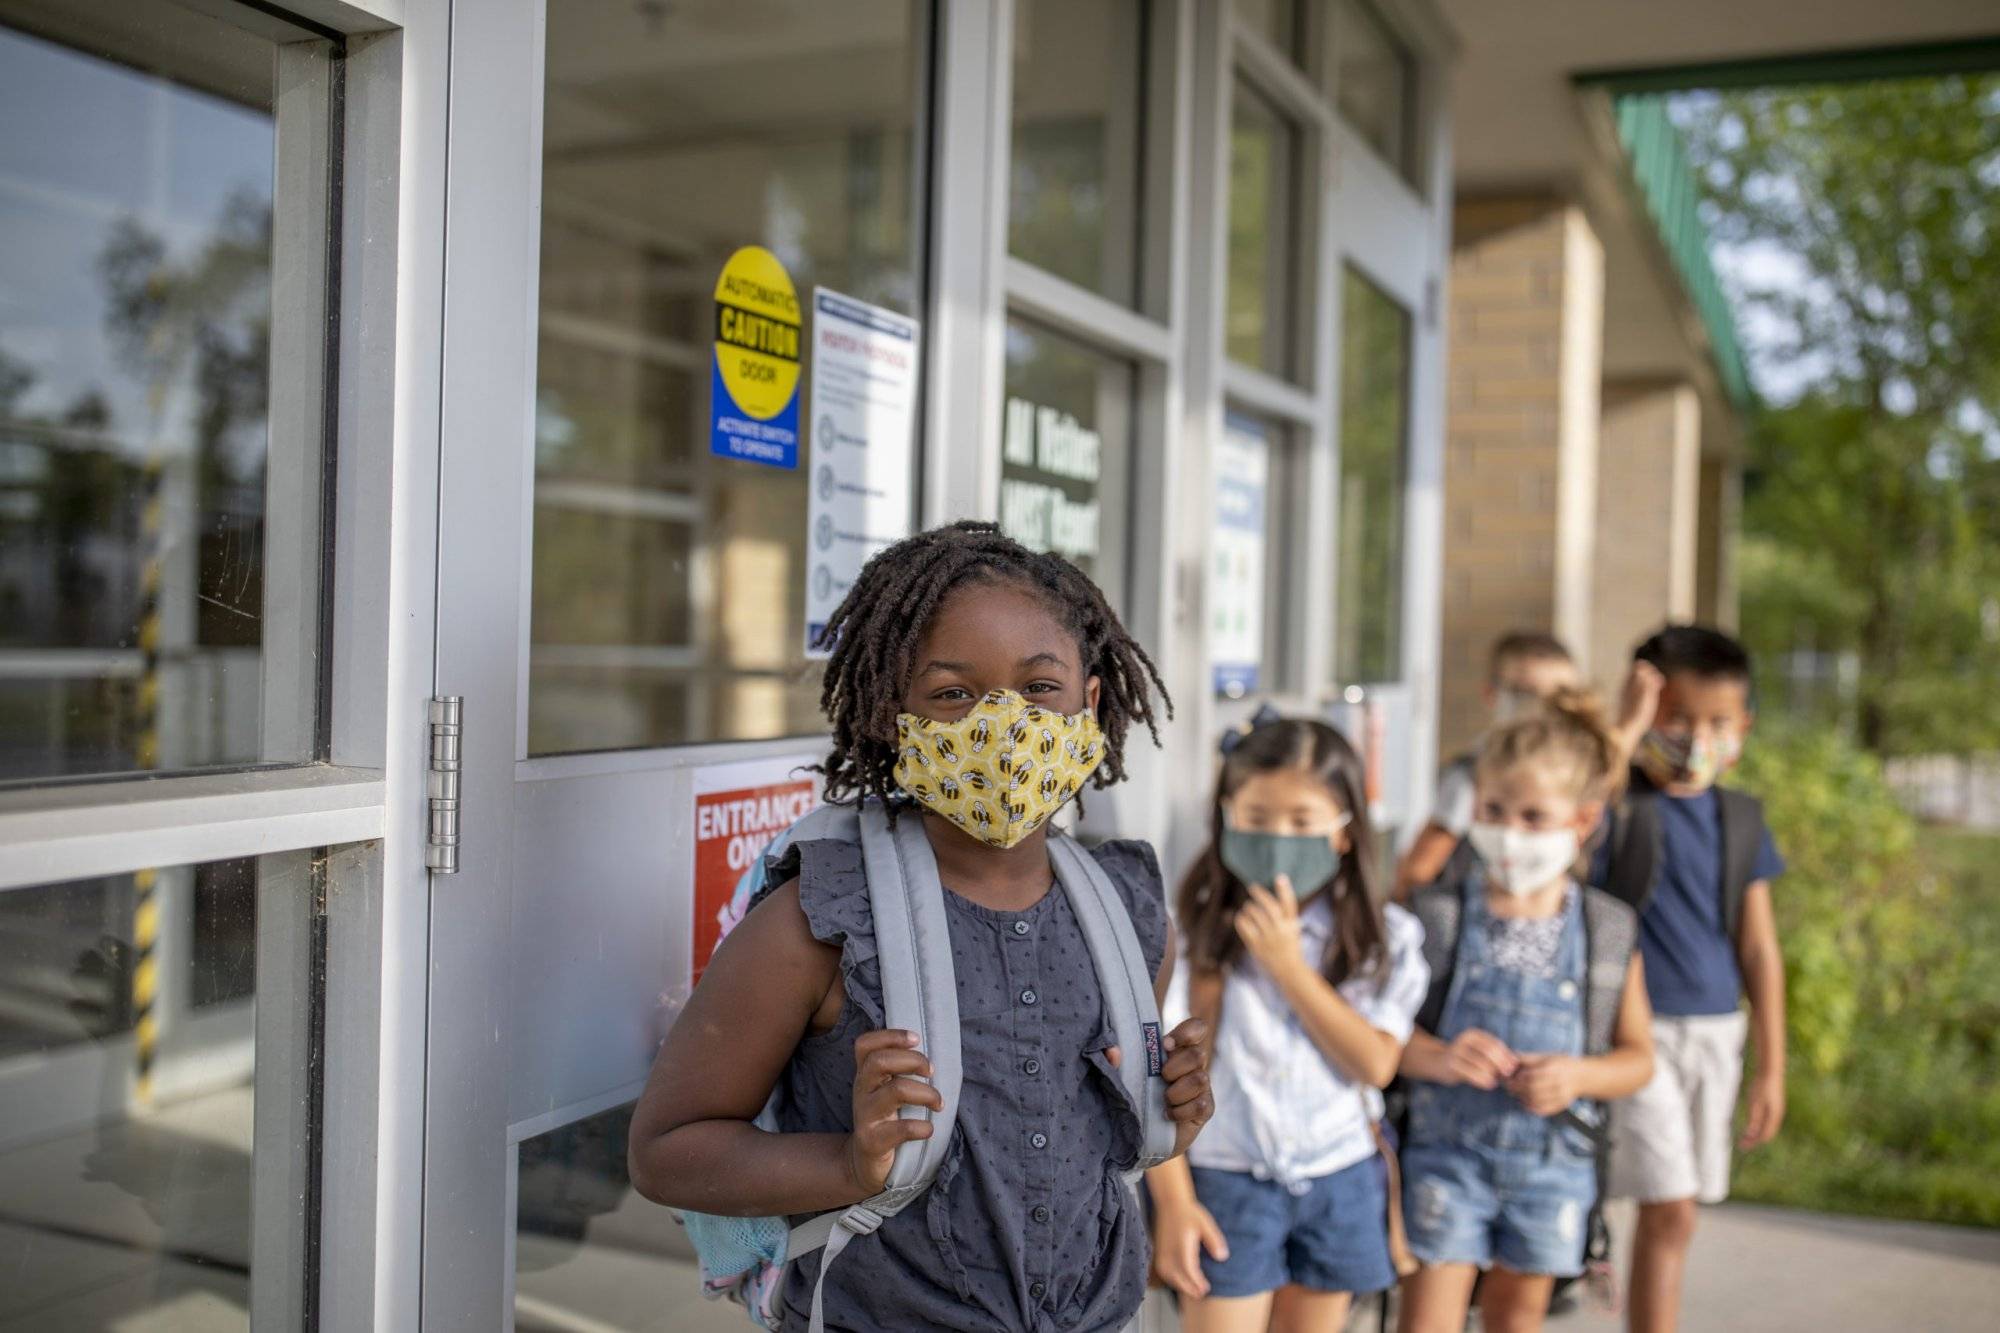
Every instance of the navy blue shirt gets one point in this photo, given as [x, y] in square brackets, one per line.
[1690, 957]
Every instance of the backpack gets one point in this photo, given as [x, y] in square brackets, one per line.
[744, 1259]
[1638, 844]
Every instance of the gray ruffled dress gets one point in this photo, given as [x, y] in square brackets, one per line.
[1029, 1225]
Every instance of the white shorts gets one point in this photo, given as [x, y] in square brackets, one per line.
[1672, 1138]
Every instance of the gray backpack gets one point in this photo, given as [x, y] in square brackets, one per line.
[744, 1259]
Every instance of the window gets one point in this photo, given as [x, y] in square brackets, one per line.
[1074, 206]
[159, 496]
[1374, 436]
[589, 1252]
[129, 1087]
[1276, 21]
[1248, 536]
[1263, 254]
[1374, 82]
[1066, 438]
[669, 582]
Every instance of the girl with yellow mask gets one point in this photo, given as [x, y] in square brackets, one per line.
[977, 687]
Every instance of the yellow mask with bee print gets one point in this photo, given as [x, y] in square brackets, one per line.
[1000, 771]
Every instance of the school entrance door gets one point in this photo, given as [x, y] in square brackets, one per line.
[625, 580]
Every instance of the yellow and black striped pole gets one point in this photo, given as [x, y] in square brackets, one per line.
[145, 987]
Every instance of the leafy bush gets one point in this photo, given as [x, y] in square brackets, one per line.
[1892, 1005]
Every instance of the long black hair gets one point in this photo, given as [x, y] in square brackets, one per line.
[1211, 893]
[874, 634]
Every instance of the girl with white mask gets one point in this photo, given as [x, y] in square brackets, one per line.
[1536, 1017]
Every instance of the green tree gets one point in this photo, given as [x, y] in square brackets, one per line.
[1873, 497]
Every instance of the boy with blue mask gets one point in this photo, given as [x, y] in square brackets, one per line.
[1708, 937]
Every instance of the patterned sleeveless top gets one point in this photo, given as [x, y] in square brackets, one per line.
[1029, 1225]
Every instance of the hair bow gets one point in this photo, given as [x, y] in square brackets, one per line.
[1265, 715]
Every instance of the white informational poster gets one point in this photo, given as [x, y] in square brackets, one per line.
[1236, 570]
[863, 438]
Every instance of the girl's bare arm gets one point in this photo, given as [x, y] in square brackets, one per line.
[1628, 1065]
[692, 1143]
[1353, 1045]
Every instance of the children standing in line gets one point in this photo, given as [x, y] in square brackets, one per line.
[957, 636]
[1277, 1216]
[1524, 668]
[1708, 936]
[1536, 1016]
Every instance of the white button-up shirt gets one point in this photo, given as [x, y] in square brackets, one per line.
[1283, 1111]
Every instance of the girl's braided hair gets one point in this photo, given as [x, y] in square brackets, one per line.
[874, 633]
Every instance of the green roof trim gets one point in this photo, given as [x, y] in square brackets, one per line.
[1965, 55]
[1666, 183]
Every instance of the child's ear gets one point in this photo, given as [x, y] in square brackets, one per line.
[1588, 816]
[1092, 689]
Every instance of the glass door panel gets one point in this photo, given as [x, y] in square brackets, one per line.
[159, 483]
[669, 582]
[622, 603]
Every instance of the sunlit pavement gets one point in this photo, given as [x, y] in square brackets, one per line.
[1774, 1270]
[140, 1227]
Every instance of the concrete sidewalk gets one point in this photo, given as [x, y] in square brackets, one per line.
[1773, 1270]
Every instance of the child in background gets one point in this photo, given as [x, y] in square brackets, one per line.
[1030, 1223]
[1524, 668]
[1708, 936]
[1278, 1214]
[1536, 1016]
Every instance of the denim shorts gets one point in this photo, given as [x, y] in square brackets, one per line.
[1329, 1235]
[1465, 1204]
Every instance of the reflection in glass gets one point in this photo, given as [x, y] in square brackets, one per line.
[1067, 434]
[669, 584]
[1263, 173]
[1374, 435]
[136, 196]
[126, 1107]
[589, 1253]
[1074, 203]
[1276, 21]
[1374, 82]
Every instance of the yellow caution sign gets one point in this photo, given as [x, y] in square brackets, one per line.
[754, 391]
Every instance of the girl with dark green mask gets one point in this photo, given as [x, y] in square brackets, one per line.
[1310, 983]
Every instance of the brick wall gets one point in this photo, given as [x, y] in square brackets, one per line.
[1649, 470]
[1523, 362]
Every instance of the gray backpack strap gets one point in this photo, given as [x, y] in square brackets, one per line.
[1128, 991]
[1610, 932]
[920, 995]
[1439, 908]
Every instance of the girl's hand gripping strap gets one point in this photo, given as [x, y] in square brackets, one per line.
[919, 995]
[1128, 991]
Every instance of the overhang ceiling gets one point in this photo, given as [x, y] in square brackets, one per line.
[1519, 122]
[1513, 108]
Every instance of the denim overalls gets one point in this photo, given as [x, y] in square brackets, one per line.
[1485, 1180]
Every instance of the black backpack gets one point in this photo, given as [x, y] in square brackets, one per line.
[1635, 833]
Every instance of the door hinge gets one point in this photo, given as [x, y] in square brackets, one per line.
[441, 785]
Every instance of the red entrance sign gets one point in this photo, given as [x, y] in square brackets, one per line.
[731, 830]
